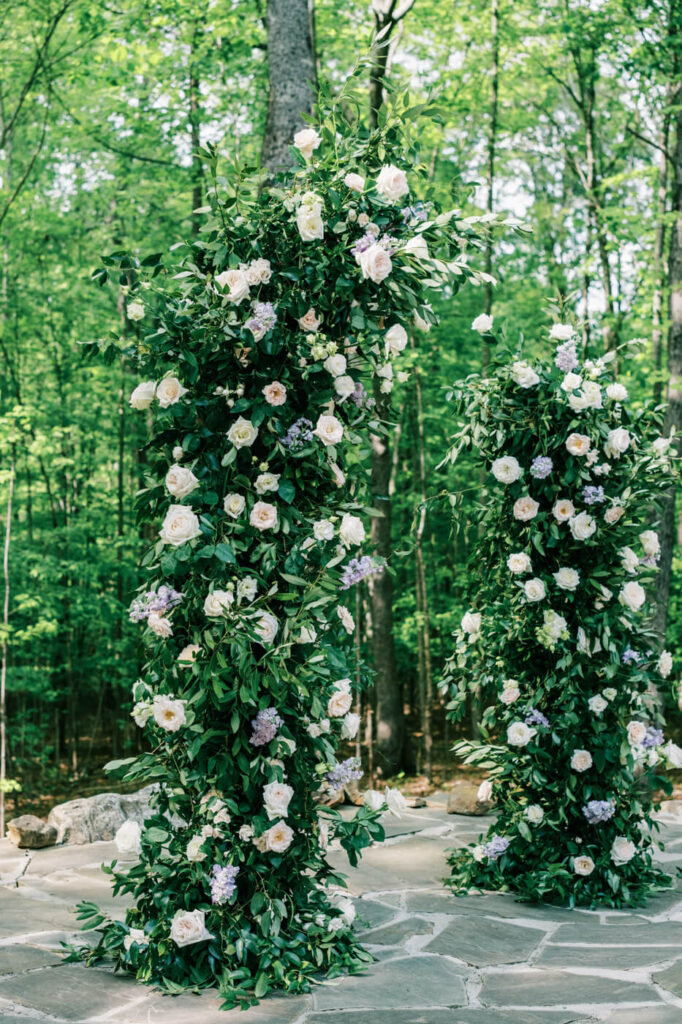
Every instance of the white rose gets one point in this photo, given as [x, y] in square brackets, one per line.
[375, 263]
[471, 622]
[483, 323]
[194, 852]
[519, 734]
[344, 386]
[392, 183]
[135, 935]
[582, 526]
[323, 530]
[519, 562]
[420, 323]
[629, 559]
[583, 865]
[266, 482]
[306, 142]
[395, 340]
[169, 714]
[524, 375]
[217, 603]
[373, 799]
[578, 444]
[246, 833]
[338, 476]
[592, 393]
[673, 754]
[236, 283]
[578, 401]
[247, 589]
[665, 664]
[661, 445]
[534, 590]
[180, 481]
[128, 838]
[242, 433]
[339, 704]
[234, 505]
[310, 321]
[534, 814]
[188, 654]
[275, 393]
[567, 579]
[143, 395]
[622, 850]
[278, 837]
[141, 713]
[613, 514]
[561, 332]
[351, 530]
[179, 526]
[617, 393]
[525, 508]
[169, 391]
[571, 382]
[484, 791]
[396, 802]
[188, 927]
[263, 516]
[336, 365]
[355, 182]
[258, 272]
[309, 222]
[329, 429]
[563, 510]
[135, 310]
[636, 733]
[159, 624]
[276, 799]
[266, 627]
[350, 726]
[510, 692]
[417, 247]
[507, 469]
[581, 760]
[597, 704]
[651, 544]
[632, 595]
[347, 620]
[617, 443]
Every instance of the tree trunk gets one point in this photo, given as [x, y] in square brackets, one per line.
[291, 77]
[492, 143]
[3, 664]
[195, 137]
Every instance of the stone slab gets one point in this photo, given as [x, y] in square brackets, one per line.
[652, 1015]
[661, 933]
[484, 943]
[394, 934]
[73, 991]
[412, 864]
[21, 958]
[416, 981]
[671, 980]
[503, 905]
[451, 1016]
[205, 1009]
[615, 958]
[371, 914]
[543, 987]
[20, 915]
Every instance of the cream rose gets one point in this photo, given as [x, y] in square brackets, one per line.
[519, 562]
[617, 442]
[306, 142]
[510, 692]
[135, 310]
[629, 559]
[392, 183]
[180, 481]
[275, 393]
[309, 222]
[169, 714]
[566, 578]
[525, 508]
[617, 393]
[329, 429]
[267, 627]
[355, 182]
[323, 529]
[188, 654]
[375, 263]
[582, 526]
[524, 375]
[278, 838]
[276, 799]
[310, 321]
[571, 382]
[263, 516]
[483, 323]
[143, 395]
[581, 760]
[135, 935]
[471, 622]
[651, 544]
[534, 814]
[632, 595]
[665, 664]
[613, 514]
[128, 838]
[217, 603]
[242, 433]
[188, 927]
[235, 283]
[194, 852]
[234, 505]
[563, 510]
[506, 469]
[583, 865]
[347, 620]
[350, 726]
[267, 482]
[336, 365]
[159, 624]
[344, 386]
[622, 850]
[169, 391]
[519, 734]
[258, 272]
[339, 704]
[636, 732]
[247, 589]
[597, 704]
[179, 526]
[561, 332]
[395, 340]
[578, 444]
[351, 530]
[534, 590]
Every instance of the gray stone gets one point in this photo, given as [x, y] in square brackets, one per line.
[412, 864]
[73, 991]
[205, 1009]
[371, 914]
[31, 833]
[407, 982]
[96, 818]
[543, 987]
[599, 956]
[464, 800]
[21, 958]
[505, 905]
[21, 915]
[452, 1016]
[645, 933]
[394, 934]
[671, 979]
[484, 943]
[652, 1015]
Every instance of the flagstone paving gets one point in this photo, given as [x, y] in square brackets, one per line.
[482, 959]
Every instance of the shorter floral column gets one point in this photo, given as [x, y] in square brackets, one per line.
[558, 634]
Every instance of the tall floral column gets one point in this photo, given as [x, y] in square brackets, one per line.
[558, 632]
[257, 361]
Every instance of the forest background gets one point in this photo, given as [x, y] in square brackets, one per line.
[565, 115]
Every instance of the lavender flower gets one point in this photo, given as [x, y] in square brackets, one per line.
[341, 774]
[413, 213]
[496, 846]
[159, 601]
[535, 717]
[653, 738]
[541, 467]
[597, 811]
[263, 320]
[265, 726]
[298, 434]
[593, 495]
[359, 569]
[566, 357]
[363, 243]
[631, 657]
[223, 883]
[361, 398]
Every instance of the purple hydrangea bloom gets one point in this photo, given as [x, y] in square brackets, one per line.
[160, 601]
[566, 357]
[411, 213]
[496, 846]
[263, 320]
[535, 717]
[593, 495]
[265, 726]
[359, 569]
[298, 434]
[343, 773]
[631, 657]
[541, 467]
[361, 398]
[597, 811]
[223, 882]
[653, 738]
[363, 243]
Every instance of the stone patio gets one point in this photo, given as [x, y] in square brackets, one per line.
[440, 960]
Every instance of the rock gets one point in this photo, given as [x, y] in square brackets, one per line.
[31, 833]
[95, 818]
[464, 800]
[417, 801]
